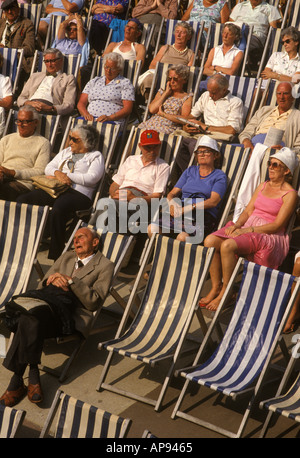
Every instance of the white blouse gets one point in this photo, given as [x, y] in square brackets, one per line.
[225, 60]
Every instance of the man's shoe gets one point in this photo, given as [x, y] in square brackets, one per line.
[35, 393]
[11, 398]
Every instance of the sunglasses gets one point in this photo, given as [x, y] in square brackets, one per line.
[287, 41]
[206, 152]
[74, 139]
[274, 165]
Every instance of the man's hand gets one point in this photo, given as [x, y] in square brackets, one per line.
[6, 172]
[59, 280]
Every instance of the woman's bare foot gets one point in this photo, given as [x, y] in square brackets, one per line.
[214, 292]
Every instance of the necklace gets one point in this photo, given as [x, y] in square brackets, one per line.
[179, 52]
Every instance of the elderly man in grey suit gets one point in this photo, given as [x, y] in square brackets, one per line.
[74, 287]
[50, 92]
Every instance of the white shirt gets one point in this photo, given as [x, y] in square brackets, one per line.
[44, 91]
[280, 62]
[87, 171]
[227, 111]
[5, 87]
[151, 178]
[225, 60]
[260, 17]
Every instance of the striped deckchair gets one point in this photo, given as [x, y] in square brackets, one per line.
[287, 405]
[71, 63]
[168, 306]
[242, 360]
[10, 421]
[48, 125]
[160, 81]
[108, 140]
[12, 62]
[21, 229]
[77, 419]
[194, 43]
[131, 69]
[115, 247]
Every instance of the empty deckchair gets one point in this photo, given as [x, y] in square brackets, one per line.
[21, 229]
[77, 419]
[241, 362]
[10, 421]
[169, 303]
[115, 247]
[287, 405]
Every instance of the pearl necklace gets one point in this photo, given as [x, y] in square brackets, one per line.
[180, 52]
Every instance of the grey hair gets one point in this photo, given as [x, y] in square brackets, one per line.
[181, 70]
[221, 80]
[89, 136]
[235, 29]
[186, 26]
[291, 32]
[30, 109]
[55, 51]
[115, 57]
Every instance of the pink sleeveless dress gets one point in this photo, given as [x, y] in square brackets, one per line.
[267, 250]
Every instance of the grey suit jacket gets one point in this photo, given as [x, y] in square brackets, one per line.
[64, 91]
[91, 284]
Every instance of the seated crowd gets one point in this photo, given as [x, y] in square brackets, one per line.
[216, 117]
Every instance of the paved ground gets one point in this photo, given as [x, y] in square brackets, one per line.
[85, 373]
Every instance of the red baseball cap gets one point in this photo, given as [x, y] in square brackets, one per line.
[150, 137]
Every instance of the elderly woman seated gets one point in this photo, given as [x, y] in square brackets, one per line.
[201, 187]
[108, 98]
[170, 103]
[80, 166]
[71, 38]
[284, 64]
[259, 233]
[227, 57]
[129, 48]
[177, 53]
[208, 11]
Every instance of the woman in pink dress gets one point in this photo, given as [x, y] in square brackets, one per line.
[259, 233]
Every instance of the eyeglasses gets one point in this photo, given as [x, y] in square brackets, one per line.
[274, 165]
[74, 139]
[205, 152]
[287, 41]
[24, 122]
[51, 61]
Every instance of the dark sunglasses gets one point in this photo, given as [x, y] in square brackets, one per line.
[274, 165]
[287, 41]
[74, 139]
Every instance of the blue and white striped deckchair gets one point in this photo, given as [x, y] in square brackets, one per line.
[48, 125]
[115, 247]
[21, 229]
[71, 64]
[10, 421]
[169, 304]
[131, 69]
[287, 405]
[32, 12]
[273, 44]
[243, 357]
[193, 44]
[12, 62]
[108, 140]
[145, 38]
[291, 14]
[242, 87]
[160, 81]
[77, 419]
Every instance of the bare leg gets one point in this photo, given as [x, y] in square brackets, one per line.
[215, 268]
[228, 252]
[294, 316]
